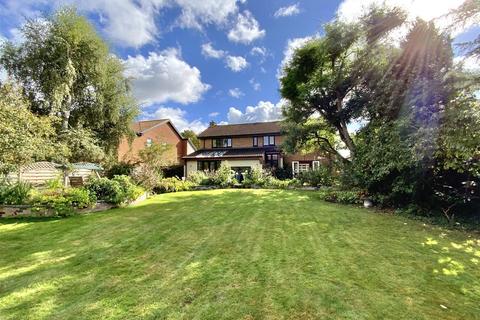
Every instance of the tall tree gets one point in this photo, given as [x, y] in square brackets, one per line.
[192, 136]
[329, 76]
[66, 69]
[467, 12]
[25, 137]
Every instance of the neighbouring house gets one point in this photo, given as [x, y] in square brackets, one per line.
[155, 131]
[245, 146]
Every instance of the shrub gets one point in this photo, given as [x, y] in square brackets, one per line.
[120, 169]
[255, 177]
[274, 183]
[224, 176]
[146, 177]
[64, 202]
[201, 178]
[283, 173]
[173, 184]
[316, 178]
[340, 196]
[130, 191]
[118, 190]
[15, 193]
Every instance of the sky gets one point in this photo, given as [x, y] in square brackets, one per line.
[195, 61]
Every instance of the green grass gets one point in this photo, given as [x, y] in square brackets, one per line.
[237, 254]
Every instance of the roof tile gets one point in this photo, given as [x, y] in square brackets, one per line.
[242, 129]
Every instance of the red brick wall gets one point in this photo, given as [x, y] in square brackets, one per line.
[163, 133]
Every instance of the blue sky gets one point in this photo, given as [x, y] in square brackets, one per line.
[200, 60]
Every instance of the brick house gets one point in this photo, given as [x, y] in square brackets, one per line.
[246, 146]
[155, 131]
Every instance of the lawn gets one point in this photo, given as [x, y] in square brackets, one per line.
[237, 254]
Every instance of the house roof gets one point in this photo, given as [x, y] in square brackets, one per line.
[142, 126]
[242, 129]
[227, 153]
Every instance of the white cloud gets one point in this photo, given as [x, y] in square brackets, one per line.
[131, 23]
[255, 85]
[196, 13]
[261, 52]
[209, 51]
[236, 63]
[287, 11]
[258, 51]
[213, 114]
[351, 10]
[236, 93]
[163, 77]
[262, 112]
[128, 22]
[246, 29]
[177, 116]
[292, 45]
[471, 64]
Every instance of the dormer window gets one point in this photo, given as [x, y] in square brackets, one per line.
[269, 140]
[222, 143]
[149, 142]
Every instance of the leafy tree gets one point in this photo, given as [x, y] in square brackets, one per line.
[25, 137]
[149, 170]
[66, 69]
[467, 12]
[82, 146]
[330, 76]
[154, 156]
[313, 135]
[192, 136]
[421, 146]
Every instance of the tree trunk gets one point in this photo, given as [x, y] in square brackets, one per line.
[66, 118]
[345, 136]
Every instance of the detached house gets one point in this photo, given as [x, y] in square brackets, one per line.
[155, 131]
[246, 146]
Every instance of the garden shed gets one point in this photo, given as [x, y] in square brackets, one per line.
[39, 173]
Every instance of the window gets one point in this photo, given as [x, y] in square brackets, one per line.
[315, 165]
[269, 140]
[222, 143]
[255, 141]
[149, 142]
[210, 165]
[272, 160]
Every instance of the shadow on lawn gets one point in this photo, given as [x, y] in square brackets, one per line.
[81, 264]
[456, 259]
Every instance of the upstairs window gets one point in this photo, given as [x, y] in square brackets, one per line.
[269, 140]
[222, 143]
[149, 142]
[255, 141]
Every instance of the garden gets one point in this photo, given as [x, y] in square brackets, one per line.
[237, 254]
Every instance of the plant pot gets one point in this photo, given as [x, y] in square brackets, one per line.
[367, 203]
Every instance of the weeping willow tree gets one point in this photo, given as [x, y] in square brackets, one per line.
[66, 70]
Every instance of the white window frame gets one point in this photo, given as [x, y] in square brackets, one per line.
[295, 167]
[315, 165]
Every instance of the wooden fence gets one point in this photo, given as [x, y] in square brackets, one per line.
[39, 173]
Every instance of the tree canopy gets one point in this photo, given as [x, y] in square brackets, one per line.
[65, 69]
[192, 136]
[330, 76]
